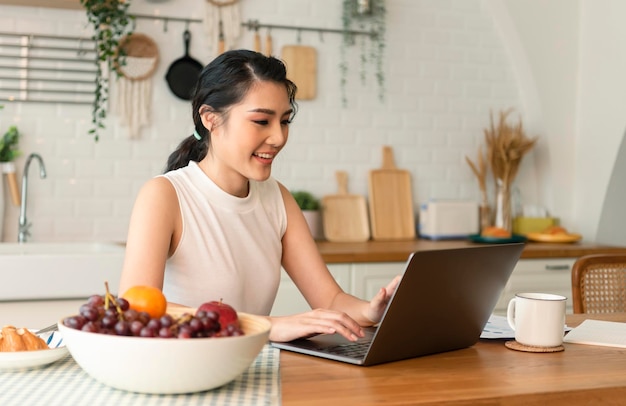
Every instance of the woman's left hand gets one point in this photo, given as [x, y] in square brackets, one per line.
[377, 305]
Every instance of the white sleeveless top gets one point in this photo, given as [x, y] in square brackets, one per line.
[230, 247]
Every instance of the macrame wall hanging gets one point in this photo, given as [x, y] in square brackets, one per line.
[223, 24]
[134, 86]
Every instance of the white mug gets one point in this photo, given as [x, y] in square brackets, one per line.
[538, 319]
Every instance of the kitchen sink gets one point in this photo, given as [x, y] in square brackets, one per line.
[44, 271]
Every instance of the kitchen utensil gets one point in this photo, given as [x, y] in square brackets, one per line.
[257, 40]
[183, 73]
[301, 62]
[52, 327]
[269, 44]
[8, 168]
[221, 46]
[345, 215]
[391, 201]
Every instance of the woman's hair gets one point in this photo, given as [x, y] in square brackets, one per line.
[222, 83]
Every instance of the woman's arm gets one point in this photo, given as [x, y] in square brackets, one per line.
[153, 234]
[335, 310]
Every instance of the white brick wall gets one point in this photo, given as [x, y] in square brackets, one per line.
[445, 69]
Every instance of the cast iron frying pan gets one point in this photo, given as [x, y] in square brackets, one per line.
[183, 73]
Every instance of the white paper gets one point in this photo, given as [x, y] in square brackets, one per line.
[497, 327]
[597, 332]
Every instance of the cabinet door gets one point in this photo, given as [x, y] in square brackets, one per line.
[368, 278]
[539, 275]
[37, 314]
[289, 300]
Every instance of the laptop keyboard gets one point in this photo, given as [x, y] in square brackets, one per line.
[351, 350]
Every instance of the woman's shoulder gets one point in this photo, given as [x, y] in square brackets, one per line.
[158, 187]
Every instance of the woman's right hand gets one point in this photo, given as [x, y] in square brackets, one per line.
[309, 324]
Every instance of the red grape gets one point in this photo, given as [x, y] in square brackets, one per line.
[118, 319]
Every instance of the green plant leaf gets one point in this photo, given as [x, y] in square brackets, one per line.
[111, 22]
[9, 145]
[375, 20]
[305, 200]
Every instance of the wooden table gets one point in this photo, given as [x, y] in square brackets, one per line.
[487, 373]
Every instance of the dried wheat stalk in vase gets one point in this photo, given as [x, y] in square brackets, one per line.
[480, 170]
[506, 146]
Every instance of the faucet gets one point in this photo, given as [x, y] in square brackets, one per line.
[23, 230]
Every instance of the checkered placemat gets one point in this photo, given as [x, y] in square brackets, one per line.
[65, 383]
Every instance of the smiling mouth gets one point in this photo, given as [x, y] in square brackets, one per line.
[263, 155]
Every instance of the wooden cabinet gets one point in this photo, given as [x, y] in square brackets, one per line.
[289, 300]
[368, 278]
[363, 280]
[552, 275]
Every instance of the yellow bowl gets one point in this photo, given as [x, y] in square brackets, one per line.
[167, 365]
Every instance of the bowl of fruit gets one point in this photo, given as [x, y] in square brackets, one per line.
[135, 343]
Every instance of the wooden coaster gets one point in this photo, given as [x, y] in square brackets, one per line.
[514, 345]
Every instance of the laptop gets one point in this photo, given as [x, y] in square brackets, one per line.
[442, 303]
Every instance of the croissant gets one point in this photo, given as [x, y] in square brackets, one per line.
[20, 339]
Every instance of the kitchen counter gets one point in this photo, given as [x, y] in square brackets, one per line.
[398, 251]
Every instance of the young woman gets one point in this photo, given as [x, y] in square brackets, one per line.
[216, 225]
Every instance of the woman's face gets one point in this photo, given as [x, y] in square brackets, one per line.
[244, 145]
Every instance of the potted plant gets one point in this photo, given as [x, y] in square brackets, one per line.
[8, 152]
[111, 22]
[310, 207]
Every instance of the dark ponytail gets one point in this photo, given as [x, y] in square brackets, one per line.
[189, 149]
[223, 83]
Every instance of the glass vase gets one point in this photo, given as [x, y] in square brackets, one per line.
[503, 216]
[485, 214]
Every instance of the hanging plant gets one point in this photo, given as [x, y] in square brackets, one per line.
[370, 16]
[111, 22]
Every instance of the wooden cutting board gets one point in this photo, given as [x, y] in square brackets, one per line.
[391, 201]
[345, 215]
[301, 62]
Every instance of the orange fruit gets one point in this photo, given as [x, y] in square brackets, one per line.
[146, 299]
[493, 231]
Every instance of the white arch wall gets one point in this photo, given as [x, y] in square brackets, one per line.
[602, 110]
[570, 58]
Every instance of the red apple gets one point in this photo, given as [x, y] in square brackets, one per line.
[227, 315]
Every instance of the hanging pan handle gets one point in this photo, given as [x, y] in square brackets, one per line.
[187, 40]
[221, 46]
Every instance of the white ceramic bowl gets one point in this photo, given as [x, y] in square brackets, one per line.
[167, 366]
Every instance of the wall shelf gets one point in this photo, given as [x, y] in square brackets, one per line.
[46, 68]
[67, 4]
